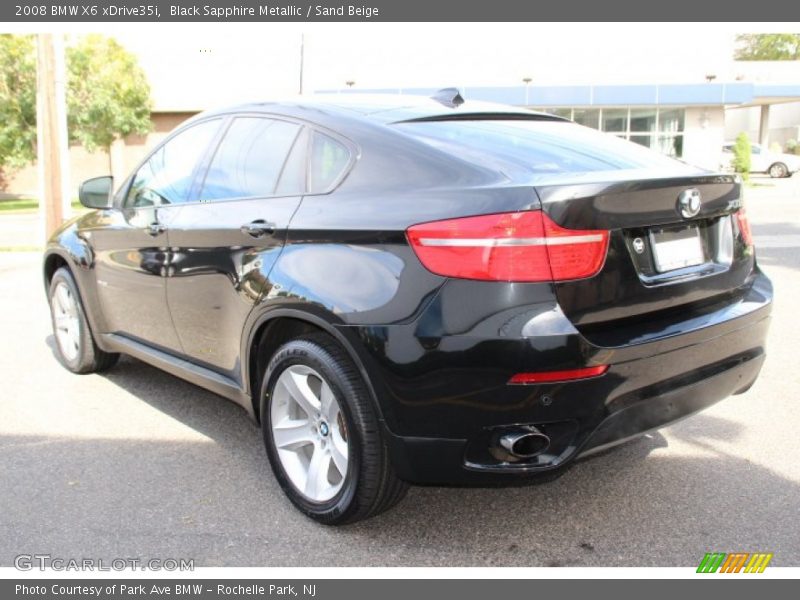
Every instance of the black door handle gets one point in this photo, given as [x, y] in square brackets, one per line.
[258, 228]
[155, 229]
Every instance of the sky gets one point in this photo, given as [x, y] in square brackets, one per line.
[194, 66]
[263, 61]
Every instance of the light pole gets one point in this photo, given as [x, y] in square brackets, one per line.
[527, 82]
[302, 59]
[349, 84]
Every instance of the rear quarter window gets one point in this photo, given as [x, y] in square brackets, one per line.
[328, 161]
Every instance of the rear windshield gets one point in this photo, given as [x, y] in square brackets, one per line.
[536, 146]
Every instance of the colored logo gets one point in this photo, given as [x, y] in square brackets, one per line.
[735, 562]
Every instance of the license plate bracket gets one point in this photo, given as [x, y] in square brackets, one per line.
[676, 248]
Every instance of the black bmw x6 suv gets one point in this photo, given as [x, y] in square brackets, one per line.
[412, 290]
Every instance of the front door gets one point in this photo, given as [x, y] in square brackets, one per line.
[132, 249]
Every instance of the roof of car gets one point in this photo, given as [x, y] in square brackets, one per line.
[389, 108]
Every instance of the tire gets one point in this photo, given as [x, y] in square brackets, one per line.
[778, 170]
[368, 485]
[75, 345]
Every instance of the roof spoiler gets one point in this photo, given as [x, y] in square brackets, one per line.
[485, 116]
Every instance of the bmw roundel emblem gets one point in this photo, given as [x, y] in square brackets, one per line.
[689, 203]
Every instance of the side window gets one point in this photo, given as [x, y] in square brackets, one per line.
[250, 158]
[328, 159]
[755, 149]
[166, 178]
[293, 178]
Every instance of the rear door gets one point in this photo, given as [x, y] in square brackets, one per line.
[223, 244]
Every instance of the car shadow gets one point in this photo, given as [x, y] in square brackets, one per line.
[201, 410]
[215, 500]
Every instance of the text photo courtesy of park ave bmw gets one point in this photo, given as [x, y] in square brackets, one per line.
[160, 590]
[291, 288]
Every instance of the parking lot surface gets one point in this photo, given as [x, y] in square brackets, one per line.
[137, 463]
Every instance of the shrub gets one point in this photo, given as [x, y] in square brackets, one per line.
[741, 155]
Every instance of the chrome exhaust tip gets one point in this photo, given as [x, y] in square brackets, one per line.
[524, 442]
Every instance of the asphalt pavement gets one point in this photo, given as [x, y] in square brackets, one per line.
[136, 463]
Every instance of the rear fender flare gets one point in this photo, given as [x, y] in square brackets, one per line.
[319, 318]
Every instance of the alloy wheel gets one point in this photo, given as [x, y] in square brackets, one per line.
[309, 433]
[66, 320]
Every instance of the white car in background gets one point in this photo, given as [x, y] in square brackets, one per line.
[776, 164]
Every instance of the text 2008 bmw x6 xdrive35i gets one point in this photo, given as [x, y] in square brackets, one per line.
[410, 290]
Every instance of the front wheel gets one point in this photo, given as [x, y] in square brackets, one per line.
[778, 170]
[322, 435]
[75, 346]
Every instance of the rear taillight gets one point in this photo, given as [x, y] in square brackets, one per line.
[744, 227]
[520, 246]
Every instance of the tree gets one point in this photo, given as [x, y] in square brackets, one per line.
[17, 101]
[108, 96]
[768, 46]
[741, 155]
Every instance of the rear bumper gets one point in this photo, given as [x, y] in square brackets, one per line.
[733, 376]
[442, 408]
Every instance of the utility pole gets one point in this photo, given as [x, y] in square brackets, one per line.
[51, 132]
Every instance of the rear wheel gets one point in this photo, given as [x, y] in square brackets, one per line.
[75, 346]
[322, 435]
[778, 170]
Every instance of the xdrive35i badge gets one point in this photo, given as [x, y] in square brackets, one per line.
[689, 203]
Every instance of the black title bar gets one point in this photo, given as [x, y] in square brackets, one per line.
[31, 11]
[732, 588]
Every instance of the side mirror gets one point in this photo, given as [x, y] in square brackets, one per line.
[96, 192]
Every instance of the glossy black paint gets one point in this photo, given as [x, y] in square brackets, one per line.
[193, 287]
[129, 271]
